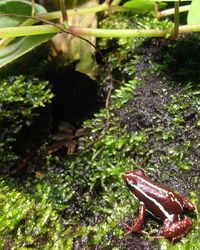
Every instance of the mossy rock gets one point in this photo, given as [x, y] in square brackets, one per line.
[23, 119]
[81, 201]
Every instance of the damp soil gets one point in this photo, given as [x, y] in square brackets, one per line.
[165, 109]
[76, 99]
[161, 107]
[76, 95]
[178, 59]
[149, 111]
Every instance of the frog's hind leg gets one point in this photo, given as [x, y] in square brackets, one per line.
[176, 229]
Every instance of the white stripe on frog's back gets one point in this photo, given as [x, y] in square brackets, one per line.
[172, 197]
[156, 203]
[148, 183]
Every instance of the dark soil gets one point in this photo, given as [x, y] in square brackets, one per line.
[76, 95]
[154, 108]
[179, 59]
[149, 110]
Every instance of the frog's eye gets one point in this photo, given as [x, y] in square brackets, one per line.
[139, 172]
[131, 185]
[136, 172]
[130, 180]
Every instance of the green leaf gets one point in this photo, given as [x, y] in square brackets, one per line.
[194, 13]
[21, 46]
[87, 63]
[140, 5]
[19, 7]
[18, 46]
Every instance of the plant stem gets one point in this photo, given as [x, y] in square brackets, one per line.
[189, 28]
[110, 33]
[27, 31]
[81, 11]
[72, 12]
[76, 30]
[33, 8]
[56, 15]
[176, 20]
[63, 11]
[171, 11]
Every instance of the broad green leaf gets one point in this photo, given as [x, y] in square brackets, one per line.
[20, 46]
[194, 13]
[19, 7]
[140, 5]
[87, 63]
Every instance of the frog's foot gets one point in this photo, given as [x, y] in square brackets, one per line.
[129, 229]
[136, 227]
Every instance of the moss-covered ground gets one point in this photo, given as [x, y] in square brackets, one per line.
[79, 201]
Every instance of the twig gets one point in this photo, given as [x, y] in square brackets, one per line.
[107, 122]
[107, 105]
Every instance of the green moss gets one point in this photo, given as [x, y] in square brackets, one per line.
[81, 202]
[122, 55]
[20, 99]
[161, 146]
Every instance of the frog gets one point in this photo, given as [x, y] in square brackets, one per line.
[161, 202]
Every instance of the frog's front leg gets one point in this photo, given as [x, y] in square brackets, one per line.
[140, 219]
[175, 229]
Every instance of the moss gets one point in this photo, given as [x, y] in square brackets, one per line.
[152, 140]
[121, 55]
[30, 220]
[81, 201]
[20, 101]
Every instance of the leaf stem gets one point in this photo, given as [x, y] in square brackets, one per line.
[110, 33]
[80, 31]
[76, 30]
[171, 11]
[33, 8]
[27, 31]
[80, 11]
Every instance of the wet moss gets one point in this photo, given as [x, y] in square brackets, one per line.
[20, 116]
[81, 201]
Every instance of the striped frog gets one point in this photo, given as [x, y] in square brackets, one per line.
[161, 202]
